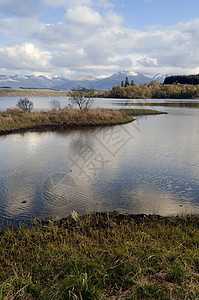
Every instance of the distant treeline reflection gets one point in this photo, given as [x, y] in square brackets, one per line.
[174, 104]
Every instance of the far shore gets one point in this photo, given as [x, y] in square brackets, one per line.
[15, 120]
[143, 91]
[20, 92]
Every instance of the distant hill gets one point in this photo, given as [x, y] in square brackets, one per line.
[30, 81]
[61, 83]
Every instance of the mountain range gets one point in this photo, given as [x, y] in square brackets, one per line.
[61, 83]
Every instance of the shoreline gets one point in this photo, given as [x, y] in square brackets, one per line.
[58, 127]
[123, 217]
[108, 94]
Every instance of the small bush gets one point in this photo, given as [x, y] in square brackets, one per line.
[55, 105]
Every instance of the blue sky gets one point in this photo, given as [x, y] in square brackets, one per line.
[140, 14]
[93, 38]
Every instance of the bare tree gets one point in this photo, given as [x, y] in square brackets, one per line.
[55, 105]
[80, 97]
[25, 104]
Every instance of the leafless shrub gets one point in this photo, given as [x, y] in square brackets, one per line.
[80, 97]
[25, 104]
[55, 105]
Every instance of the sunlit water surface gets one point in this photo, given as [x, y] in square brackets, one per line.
[147, 166]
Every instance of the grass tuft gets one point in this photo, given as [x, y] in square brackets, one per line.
[102, 256]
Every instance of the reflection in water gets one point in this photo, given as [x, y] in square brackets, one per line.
[58, 191]
[148, 166]
[147, 102]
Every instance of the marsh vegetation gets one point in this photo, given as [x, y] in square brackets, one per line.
[17, 120]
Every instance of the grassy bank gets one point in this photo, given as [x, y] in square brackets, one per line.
[102, 256]
[15, 120]
[17, 92]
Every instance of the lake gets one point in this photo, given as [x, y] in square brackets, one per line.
[148, 166]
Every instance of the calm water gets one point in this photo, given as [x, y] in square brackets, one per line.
[147, 166]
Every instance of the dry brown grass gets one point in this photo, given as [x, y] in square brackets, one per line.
[15, 120]
[17, 92]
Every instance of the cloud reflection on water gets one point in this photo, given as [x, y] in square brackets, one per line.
[155, 171]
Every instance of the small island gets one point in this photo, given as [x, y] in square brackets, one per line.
[16, 120]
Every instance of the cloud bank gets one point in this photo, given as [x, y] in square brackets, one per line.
[89, 38]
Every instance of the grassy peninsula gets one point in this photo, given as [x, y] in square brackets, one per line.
[16, 120]
[102, 256]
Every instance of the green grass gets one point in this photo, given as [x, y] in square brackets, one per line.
[141, 112]
[16, 120]
[102, 256]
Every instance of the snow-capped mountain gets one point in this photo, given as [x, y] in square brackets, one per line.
[160, 77]
[59, 83]
[108, 82]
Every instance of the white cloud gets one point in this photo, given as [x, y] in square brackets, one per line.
[83, 14]
[88, 40]
[25, 57]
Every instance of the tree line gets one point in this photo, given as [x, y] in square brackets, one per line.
[182, 79]
[153, 90]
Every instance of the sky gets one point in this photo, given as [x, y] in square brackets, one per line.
[81, 38]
